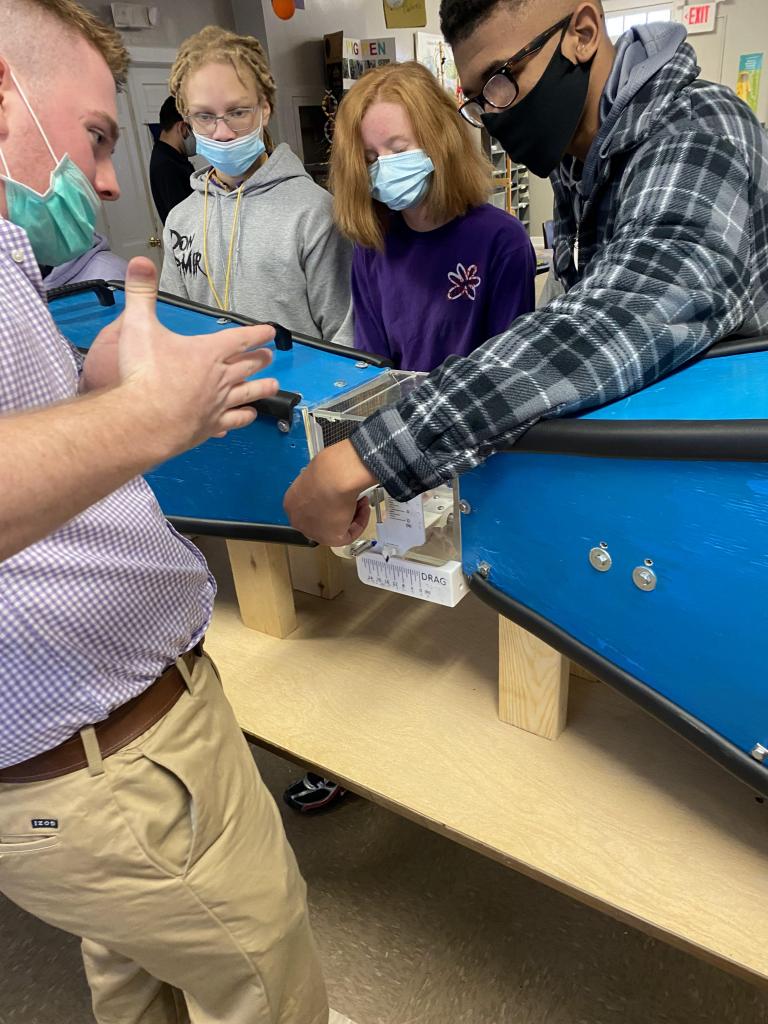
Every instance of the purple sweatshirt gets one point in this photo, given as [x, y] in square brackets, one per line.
[99, 263]
[431, 294]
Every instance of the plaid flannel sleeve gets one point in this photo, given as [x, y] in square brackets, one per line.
[673, 280]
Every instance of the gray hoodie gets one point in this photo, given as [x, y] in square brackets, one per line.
[289, 263]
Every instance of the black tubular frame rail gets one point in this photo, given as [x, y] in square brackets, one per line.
[104, 291]
[691, 440]
[683, 440]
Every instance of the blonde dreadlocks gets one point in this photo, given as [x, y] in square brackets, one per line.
[213, 45]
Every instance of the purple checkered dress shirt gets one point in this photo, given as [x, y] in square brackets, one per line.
[90, 615]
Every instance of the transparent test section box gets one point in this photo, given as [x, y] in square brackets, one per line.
[411, 547]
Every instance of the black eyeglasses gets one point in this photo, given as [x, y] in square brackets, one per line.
[501, 90]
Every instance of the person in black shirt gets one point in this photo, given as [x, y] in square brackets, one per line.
[169, 166]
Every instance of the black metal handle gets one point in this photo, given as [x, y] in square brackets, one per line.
[283, 339]
[104, 293]
[279, 406]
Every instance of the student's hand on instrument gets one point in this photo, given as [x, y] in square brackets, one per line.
[187, 389]
[323, 502]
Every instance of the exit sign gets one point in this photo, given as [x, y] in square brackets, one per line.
[700, 17]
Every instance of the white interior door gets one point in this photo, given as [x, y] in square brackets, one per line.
[148, 90]
[132, 224]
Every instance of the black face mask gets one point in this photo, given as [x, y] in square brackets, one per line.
[537, 130]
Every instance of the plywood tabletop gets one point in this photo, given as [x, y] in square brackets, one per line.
[398, 699]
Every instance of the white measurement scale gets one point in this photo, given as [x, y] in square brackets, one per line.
[444, 584]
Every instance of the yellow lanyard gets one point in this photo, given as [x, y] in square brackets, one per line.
[219, 303]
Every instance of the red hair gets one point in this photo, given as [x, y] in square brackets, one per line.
[462, 176]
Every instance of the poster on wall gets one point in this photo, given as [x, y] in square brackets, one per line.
[434, 53]
[405, 13]
[348, 59]
[352, 64]
[748, 82]
[376, 52]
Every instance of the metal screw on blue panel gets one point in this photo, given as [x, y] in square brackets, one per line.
[600, 559]
[484, 570]
[759, 752]
[223, 320]
[464, 507]
[339, 383]
[362, 366]
[644, 578]
[283, 426]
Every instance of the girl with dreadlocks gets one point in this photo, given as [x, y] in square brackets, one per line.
[256, 236]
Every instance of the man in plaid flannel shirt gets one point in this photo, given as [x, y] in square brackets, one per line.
[661, 246]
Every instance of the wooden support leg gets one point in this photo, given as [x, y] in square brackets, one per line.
[315, 571]
[533, 682]
[263, 585]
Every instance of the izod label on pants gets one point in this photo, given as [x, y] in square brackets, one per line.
[45, 823]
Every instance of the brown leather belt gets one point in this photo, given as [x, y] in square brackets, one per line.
[115, 732]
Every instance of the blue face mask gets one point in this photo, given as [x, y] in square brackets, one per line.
[401, 180]
[59, 222]
[235, 157]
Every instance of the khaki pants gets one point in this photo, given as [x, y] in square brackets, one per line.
[170, 860]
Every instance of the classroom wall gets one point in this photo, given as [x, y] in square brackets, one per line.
[742, 27]
[296, 47]
[178, 19]
[249, 19]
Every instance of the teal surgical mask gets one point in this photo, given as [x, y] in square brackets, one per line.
[401, 180]
[61, 221]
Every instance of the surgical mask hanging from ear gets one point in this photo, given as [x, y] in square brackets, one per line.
[235, 157]
[401, 180]
[537, 131]
[59, 222]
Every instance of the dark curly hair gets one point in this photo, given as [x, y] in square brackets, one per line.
[460, 18]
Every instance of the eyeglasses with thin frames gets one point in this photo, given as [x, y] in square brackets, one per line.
[501, 89]
[239, 120]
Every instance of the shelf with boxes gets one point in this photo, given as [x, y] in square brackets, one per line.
[511, 185]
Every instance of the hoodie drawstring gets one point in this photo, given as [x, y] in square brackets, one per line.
[222, 305]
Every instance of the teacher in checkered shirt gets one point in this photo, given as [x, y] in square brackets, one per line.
[661, 243]
[131, 811]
